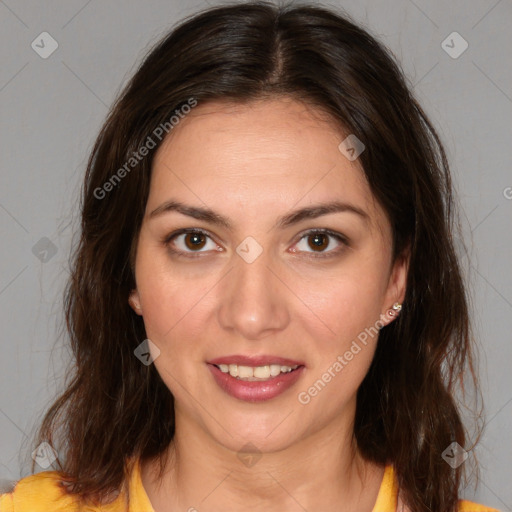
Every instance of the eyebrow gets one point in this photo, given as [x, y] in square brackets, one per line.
[309, 212]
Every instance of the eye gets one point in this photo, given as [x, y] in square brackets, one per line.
[192, 242]
[186, 242]
[323, 242]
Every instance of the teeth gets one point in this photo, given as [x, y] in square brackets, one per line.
[262, 372]
[244, 372]
[251, 373]
[275, 369]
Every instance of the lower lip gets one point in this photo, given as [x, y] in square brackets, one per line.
[255, 391]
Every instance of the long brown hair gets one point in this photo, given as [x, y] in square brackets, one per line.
[113, 406]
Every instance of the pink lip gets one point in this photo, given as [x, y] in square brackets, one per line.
[255, 391]
[255, 360]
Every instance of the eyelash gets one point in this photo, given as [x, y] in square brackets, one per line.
[197, 254]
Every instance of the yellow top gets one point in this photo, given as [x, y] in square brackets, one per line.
[42, 493]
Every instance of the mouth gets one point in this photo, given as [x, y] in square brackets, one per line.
[255, 373]
[255, 379]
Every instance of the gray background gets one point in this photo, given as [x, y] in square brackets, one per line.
[52, 110]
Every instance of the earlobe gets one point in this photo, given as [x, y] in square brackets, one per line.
[391, 314]
[134, 301]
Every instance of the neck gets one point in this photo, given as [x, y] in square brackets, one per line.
[323, 471]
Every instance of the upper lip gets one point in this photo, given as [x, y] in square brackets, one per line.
[263, 360]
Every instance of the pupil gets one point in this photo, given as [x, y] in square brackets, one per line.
[319, 241]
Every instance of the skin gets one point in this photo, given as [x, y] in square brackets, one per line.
[254, 163]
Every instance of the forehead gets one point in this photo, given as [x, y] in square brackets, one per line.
[269, 133]
[263, 156]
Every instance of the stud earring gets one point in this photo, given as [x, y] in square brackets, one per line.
[395, 309]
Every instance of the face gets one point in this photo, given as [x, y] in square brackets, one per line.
[262, 249]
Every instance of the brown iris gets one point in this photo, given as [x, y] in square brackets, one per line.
[195, 241]
[320, 241]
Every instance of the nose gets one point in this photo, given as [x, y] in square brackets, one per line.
[253, 299]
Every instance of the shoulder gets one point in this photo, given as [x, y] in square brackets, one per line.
[41, 492]
[462, 506]
[469, 506]
[46, 492]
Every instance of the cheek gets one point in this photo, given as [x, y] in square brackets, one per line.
[344, 346]
[343, 305]
[173, 307]
[172, 312]
[174, 321]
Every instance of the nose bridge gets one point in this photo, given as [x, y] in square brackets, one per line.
[253, 279]
[252, 301]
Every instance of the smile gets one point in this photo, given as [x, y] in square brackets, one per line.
[255, 373]
[255, 383]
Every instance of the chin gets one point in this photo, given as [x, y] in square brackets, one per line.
[257, 442]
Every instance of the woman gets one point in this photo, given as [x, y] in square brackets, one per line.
[266, 309]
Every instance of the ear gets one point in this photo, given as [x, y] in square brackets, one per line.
[397, 286]
[134, 301]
